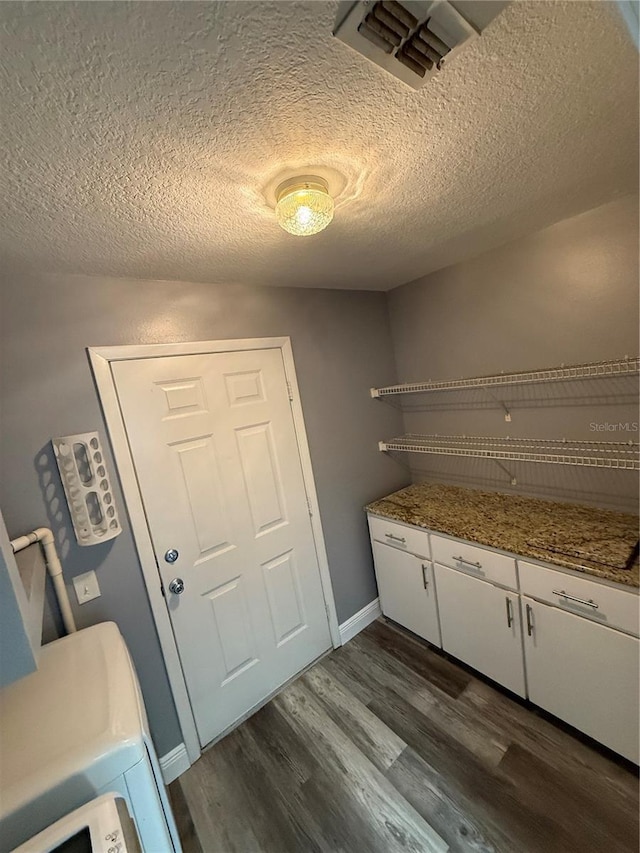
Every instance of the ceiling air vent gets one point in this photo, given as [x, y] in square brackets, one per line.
[411, 40]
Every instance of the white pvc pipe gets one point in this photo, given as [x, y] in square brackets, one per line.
[54, 567]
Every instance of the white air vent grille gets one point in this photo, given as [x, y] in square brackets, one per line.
[411, 40]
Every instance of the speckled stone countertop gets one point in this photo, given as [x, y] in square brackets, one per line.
[591, 540]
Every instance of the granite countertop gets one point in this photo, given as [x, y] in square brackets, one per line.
[591, 540]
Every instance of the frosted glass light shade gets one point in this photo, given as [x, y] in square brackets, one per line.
[304, 206]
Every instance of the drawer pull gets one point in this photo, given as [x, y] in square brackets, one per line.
[468, 562]
[396, 538]
[563, 594]
[529, 611]
[509, 611]
[425, 582]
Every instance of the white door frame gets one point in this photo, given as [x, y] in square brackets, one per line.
[101, 359]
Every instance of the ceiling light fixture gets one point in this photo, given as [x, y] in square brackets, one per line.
[304, 205]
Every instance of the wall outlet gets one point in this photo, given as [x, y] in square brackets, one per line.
[86, 587]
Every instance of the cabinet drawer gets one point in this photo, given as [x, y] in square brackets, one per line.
[474, 560]
[607, 605]
[411, 539]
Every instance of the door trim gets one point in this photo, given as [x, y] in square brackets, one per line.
[101, 359]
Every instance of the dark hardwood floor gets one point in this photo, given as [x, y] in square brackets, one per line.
[387, 745]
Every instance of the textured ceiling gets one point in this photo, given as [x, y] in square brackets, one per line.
[139, 139]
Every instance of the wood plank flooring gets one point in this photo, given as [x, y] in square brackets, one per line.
[387, 745]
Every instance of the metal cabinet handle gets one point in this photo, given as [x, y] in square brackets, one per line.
[563, 594]
[425, 569]
[509, 611]
[468, 562]
[395, 538]
[529, 611]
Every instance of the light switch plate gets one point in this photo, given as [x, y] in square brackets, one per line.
[86, 587]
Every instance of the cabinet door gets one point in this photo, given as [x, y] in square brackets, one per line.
[407, 593]
[481, 626]
[584, 673]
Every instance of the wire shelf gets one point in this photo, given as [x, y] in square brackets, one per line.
[588, 370]
[593, 454]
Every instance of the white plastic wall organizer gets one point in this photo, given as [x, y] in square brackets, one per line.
[87, 487]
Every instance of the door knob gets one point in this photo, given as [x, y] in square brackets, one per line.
[171, 555]
[176, 586]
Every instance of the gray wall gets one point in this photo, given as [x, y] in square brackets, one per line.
[566, 294]
[342, 346]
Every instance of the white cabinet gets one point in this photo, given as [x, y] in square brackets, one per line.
[481, 626]
[566, 642]
[407, 592]
[584, 673]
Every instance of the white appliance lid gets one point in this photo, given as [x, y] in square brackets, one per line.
[80, 714]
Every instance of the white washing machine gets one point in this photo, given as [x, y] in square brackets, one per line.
[73, 730]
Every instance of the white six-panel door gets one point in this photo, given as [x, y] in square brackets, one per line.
[214, 447]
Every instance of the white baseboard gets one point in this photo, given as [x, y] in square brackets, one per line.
[174, 763]
[359, 621]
